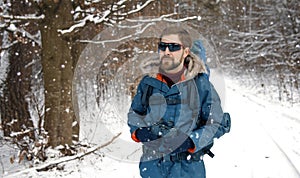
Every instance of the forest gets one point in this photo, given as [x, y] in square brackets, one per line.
[43, 44]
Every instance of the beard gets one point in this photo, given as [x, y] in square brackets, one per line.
[168, 63]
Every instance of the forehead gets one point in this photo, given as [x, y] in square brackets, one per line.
[171, 39]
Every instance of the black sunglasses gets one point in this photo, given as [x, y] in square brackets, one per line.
[171, 46]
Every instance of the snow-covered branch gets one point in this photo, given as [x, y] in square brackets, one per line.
[138, 8]
[83, 22]
[104, 17]
[183, 19]
[25, 34]
[150, 21]
[164, 18]
[26, 17]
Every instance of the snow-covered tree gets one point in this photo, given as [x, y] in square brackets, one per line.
[263, 38]
[62, 25]
[19, 53]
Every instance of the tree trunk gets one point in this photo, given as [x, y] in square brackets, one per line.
[14, 108]
[58, 72]
[15, 116]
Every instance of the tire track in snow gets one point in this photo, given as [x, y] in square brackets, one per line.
[291, 163]
[278, 143]
[291, 118]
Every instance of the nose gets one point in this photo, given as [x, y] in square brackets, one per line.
[167, 51]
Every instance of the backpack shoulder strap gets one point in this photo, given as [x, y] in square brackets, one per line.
[147, 91]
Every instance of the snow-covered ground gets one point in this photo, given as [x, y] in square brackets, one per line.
[264, 143]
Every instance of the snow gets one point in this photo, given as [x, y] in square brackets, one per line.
[264, 142]
[99, 18]
[4, 63]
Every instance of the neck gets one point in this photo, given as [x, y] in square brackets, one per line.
[172, 78]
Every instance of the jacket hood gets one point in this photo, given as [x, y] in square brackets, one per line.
[194, 66]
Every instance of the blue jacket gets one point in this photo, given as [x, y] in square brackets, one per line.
[193, 105]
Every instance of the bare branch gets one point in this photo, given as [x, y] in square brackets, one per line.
[119, 39]
[6, 47]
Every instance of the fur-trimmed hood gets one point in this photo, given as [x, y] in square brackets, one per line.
[194, 66]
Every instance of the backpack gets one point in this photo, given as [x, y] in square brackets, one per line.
[199, 50]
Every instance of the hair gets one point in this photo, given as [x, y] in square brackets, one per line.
[183, 35]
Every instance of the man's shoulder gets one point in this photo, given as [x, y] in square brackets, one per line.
[152, 81]
[202, 81]
[202, 77]
[149, 79]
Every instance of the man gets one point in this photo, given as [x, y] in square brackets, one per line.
[176, 114]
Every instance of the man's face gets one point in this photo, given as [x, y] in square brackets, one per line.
[172, 61]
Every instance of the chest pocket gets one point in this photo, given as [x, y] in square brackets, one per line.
[179, 105]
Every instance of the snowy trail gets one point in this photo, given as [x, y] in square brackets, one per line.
[251, 149]
[264, 143]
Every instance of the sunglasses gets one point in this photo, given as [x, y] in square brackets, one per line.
[171, 46]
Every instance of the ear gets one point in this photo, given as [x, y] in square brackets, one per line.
[186, 52]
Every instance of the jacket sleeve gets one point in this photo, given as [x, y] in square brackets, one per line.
[137, 111]
[211, 114]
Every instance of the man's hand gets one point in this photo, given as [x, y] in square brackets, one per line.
[146, 134]
[175, 141]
